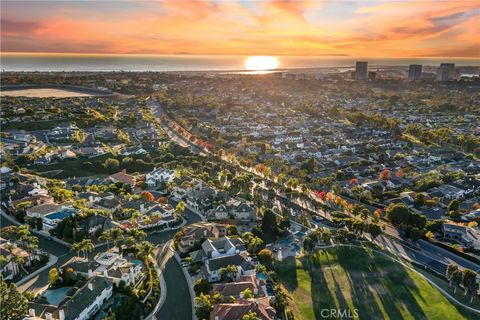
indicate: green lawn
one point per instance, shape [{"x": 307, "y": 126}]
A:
[{"x": 377, "y": 287}]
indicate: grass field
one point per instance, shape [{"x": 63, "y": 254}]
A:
[{"x": 348, "y": 279}]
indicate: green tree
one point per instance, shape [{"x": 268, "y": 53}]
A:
[
  {"x": 453, "y": 205},
  {"x": 231, "y": 230},
  {"x": 266, "y": 258},
  {"x": 229, "y": 271},
  {"x": 247, "y": 294},
  {"x": 398, "y": 214},
  {"x": 268, "y": 224},
  {"x": 415, "y": 234},
  {"x": 203, "y": 306},
  {"x": 469, "y": 283},
  {"x": 13, "y": 305},
  {"x": 201, "y": 286},
  {"x": 111, "y": 165},
  {"x": 180, "y": 208},
  {"x": 374, "y": 229},
  {"x": 53, "y": 277},
  {"x": 250, "y": 316}
]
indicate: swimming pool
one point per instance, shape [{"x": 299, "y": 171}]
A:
[
  {"x": 56, "y": 296},
  {"x": 262, "y": 276},
  {"x": 270, "y": 291},
  {"x": 137, "y": 262}
]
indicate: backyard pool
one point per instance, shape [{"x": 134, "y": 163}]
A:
[
  {"x": 55, "y": 296},
  {"x": 270, "y": 291},
  {"x": 262, "y": 276}
]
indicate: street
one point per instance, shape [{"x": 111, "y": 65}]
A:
[{"x": 177, "y": 303}]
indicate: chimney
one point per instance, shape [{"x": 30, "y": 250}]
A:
[
  {"x": 48, "y": 315},
  {"x": 61, "y": 315},
  {"x": 90, "y": 286},
  {"x": 124, "y": 170},
  {"x": 31, "y": 312},
  {"x": 90, "y": 273}
]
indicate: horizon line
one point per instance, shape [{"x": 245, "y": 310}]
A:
[{"x": 216, "y": 54}]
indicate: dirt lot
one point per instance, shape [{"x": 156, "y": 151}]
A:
[{"x": 44, "y": 93}]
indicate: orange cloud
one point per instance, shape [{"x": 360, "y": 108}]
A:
[{"x": 382, "y": 29}]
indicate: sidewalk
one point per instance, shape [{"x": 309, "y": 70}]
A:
[
  {"x": 51, "y": 261},
  {"x": 163, "y": 292}
]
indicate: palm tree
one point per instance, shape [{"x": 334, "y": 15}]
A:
[
  {"x": 106, "y": 237},
  {"x": 117, "y": 235},
  {"x": 77, "y": 248},
  {"x": 138, "y": 235},
  {"x": 18, "y": 261},
  {"x": 229, "y": 271},
  {"x": 87, "y": 246}
]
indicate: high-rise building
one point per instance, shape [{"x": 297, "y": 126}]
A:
[
  {"x": 372, "y": 75},
  {"x": 414, "y": 72},
  {"x": 446, "y": 72},
  {"x": 361, "y": 70}
]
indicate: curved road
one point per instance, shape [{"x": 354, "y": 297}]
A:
[{"x": 177, "y": 304}]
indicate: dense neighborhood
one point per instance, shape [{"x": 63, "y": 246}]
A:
[{"x": 223, "y": 196}]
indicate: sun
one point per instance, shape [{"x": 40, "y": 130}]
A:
[{"x": 261, "y": 63}]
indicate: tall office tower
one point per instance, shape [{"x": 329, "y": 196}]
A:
[
  {"x": 361, "y": 70},
  {"x": 446, "y": 72},
  {"x": 414, "y": 72}
]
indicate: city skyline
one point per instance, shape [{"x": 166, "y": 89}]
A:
[{"x": 320, "y": 28}]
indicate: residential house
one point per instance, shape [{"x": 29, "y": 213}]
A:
[
  {"x": 119, "y": 268},
  {"x": 237, "y": 310},
  {"x": 107, "y": 202},
  {"x": 133, "y": 151},
  {"x": 197, "y": 232},
  {"x": 449, "y": 192},
  {"x": 235, "y": 289},
  {"x": 8, "y": 250},
  {"x": 67, "y": 154},
  {"x": 94, "y": 225},
  {"x": 158, "y": 176},
  {"x": 234, "y": 208},
  {"x": 89, "y": 197},
  {"x": 52, "y": 219},
  {"x": 35, "y": 200},
  {"x": 212, "y": 268},
  {"x": 122, "y": 177},
  {"x": 462, "y": 234},
  {"x": 218, "y": 248},
  {"x": 82, "y": 305},
  {"x": 41, "y": 210}
]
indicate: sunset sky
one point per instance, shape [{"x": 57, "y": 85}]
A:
[{"x": 353, "y": 28}]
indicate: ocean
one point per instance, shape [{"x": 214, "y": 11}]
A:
[{"x": 133, "y": 62}]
